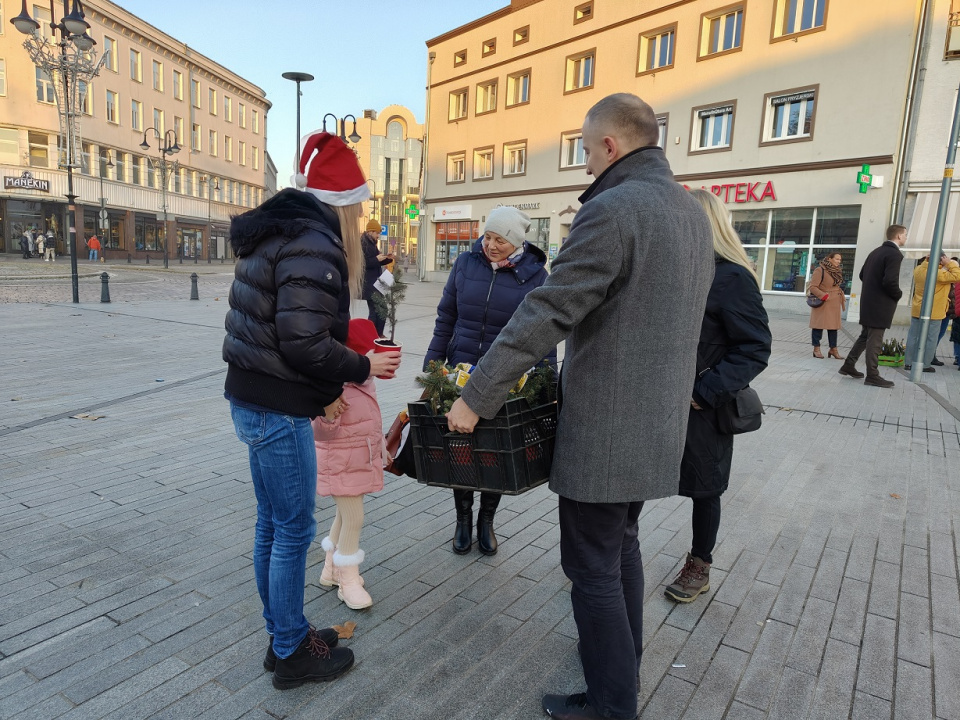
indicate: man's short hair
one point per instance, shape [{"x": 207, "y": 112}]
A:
[
  {"x": 895, "y": 230},
  {"x": 627, "y": 117}
]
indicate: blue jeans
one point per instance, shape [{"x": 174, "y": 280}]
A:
[
  {"x": 283, "y": 465},
  {"x": 600, "y": 553},
  {"x": 93, "y": 254},
  {"x": 929, "y": 343}
]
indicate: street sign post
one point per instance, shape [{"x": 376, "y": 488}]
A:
[{"x": 383, "y": 230}]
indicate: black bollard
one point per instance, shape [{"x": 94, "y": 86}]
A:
[
  {"x": 221, "y": 261},
  {"x": 209, "y": 259},
  {"x": 129, "y": 259},
  {"x": 104, "y": 287},
  {"x": 148, "y": 258},
  {"x": 196, "y": 255},
  {"x": 194, "y": 294}
]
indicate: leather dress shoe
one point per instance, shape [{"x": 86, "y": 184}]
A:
[
  {"x": 569, "y": 707},
  {"x": 936, "y": 362},
  {"x": 330, "y": 636}
]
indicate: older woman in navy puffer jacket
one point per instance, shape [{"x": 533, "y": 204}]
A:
[{"x": 484, "y": 289}]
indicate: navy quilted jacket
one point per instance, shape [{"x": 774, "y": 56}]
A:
[{"x": 478, "y": 302}]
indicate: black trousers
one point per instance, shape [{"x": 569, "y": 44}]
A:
[
  {"x": 600, "y": 553},
  {"x": 378, "y": 321},
  {"x": 706, "y": 524},
  {"x": 871, "y": 339}
]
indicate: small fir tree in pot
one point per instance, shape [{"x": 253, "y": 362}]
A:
[{"x": 386, "y": 304}]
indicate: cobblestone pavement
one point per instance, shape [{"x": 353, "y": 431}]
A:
[{"x": 126, "y": 587}]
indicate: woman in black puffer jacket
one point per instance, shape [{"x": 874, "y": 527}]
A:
[{"x": 299, "y": 261}]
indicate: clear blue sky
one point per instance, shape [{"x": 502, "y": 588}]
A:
[{"x": 364, "y": 54}]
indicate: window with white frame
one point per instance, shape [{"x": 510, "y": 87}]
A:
[
  {"x": 656, "y": 49},
  {"x": 228, "y": 108},
  {"x": 483, "y": 163},
  {"x": 662, "y": 131},
  {"x": 458, "y": 104},
  {"x": 195, "y": 93},
  {"x": 721, "y": 31},
  {"x": 85, "y": 92},
  {"x": 242, "y": 114},
  {"x": 39, "y": 149},
  {"x": 158, "y": 76},
  {"x": 713, "y": 127},
  {"x": 9, "y": 146},
  {"x": 228, "y": 148},
  {"x": 110, "y": 53},
  {"x": 136, "y": 69},
  {"x": 136, "y": 170},
  {"x": 177, "y": 85},
  {"x": 3, "y": 75},
  {"x": 178, "y": 128},
  {"x": 580, "y": 71},
  {"x": 44, "y": 87},
  {"x": 113, "y": 104},
  {"x": 456, "y": 167},
  {"x": 255, "y": 152},
  {"x": 195, "y": 137},
  {"x": 515, "y": 158},
  {"x": 212, "y": 100},
  {"x": 797, "y": 16},
  {"x": 571, "y": 150},
  {"x": 212, "y": 143},
  {"x": 789, "y": 116},
  {"x": 158, "y": 121},
  {"x": 486, "y": 97},
  {"x": 242, "y": 151},
  {"x": 136, "y": 115},
  {"x": 255, "y": 119},
  {"x": 518, "y": 88}
]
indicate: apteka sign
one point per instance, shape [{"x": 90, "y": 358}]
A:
[
  {"x": 26, "y": 181},
  {"x": 743, "y": 192}
]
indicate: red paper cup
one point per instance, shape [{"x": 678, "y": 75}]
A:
[{"x": 383, "y": 345}]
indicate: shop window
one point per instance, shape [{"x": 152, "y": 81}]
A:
[
  {"x": 483, "y": 163},
  {"x": 489, "y": 47},
  {"x": 656, "y": 49},
  {"x": 792, "y": 17},
  {"x": 458, "y": 104},
  {"x": 579, "y": 73},
  {"x": 521, "y": 35},
  {"x": 539, "y": 233},
  {"x": 721, "y": 31},
  {"x": 456, "y": 171},
  {"x": 789, "y": 115},
  {"x": 486, "y": 97},
  {"x": 515, "y": 158},
  {"x": 662, "y": 130},
  {"x": 518, "y": 88},
  {"x": 571, "y": 150},
  {"x": 713, "y": 127},
  {"x": 453, "y": 239}
]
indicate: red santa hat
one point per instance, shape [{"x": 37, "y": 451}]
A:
[
  {"x": 360, "y": 335},
  {"x": 329, "y": 170}
]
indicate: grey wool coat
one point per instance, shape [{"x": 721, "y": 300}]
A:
[{"x": 627, "y": 291}]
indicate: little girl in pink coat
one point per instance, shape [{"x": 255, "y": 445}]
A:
[{"x": 351, "y": 455}]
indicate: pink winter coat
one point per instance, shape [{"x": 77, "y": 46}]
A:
[{"x": 351, "y": 452}]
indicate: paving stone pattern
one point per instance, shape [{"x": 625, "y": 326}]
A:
[{"x": 126, "y": 586}]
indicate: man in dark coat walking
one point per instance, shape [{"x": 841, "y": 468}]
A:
[{"x": 880, "y": 275}]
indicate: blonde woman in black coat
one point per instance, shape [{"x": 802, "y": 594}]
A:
[{"x": 734, "y": 348}]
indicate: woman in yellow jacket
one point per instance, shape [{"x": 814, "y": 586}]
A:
[{"x": 947, "y": 273}]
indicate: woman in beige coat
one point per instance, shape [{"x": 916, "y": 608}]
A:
[{"x": 826, "y": 283}]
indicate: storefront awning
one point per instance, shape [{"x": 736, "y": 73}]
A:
[{"x": 920, "y": 217}]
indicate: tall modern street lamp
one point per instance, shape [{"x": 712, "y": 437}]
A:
[
  {"x": 103, "y": 202},
  {"x": 68, "y": 61},
  {"x": 298, "y": 77},
  {"x": 353, "y": 137},
  {"x": 212, "y": 184},
  {"x": 168, "y": 146}
]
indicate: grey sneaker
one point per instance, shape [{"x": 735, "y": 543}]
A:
[{"x": 694, "y": 578}]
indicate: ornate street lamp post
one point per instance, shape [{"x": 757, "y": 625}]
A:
[
  {"x": 212, "y": 184},
  {"x": 67, "y": 62},
  {"x": 168, "y": 146},
  {"x": 298, "y": 77},
  {"x": 103, "y": 224},
  {"x": 353, "y": 137}
]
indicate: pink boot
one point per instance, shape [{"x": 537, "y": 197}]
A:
[
  {"x": 351, "y": 584},
  {"x": 328, "y": 577}
]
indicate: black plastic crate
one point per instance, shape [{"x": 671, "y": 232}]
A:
[{"x": 509, "y": 454}]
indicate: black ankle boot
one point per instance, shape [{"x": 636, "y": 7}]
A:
[
  {"x": 312, "y": 661},
  {"x": 486, "y": 540},
  {"x": 463, "y": 534}
]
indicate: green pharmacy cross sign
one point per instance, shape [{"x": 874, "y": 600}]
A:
[
  {"x": 864, "y": 178},
  {"x": 413, "y": 212}
]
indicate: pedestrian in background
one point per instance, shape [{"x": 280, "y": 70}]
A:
[
  {"x": 879, "y": 294},
  {"x": 41, "y": 242},
  {"x": 51, "y": 247},
  {"x": 299, "y": 263},
  {"x": 93, "y": 244},
  {"x": 826, "y": 283},
  {"x": 955, "y": 328},
  {"x": 948, "y": 273},
  {"x": 351, "y": 455},
  {"x": 483, "y": 291},
  {"x": 373, "y": 267},
  {"x": 627, "y": 292},
  {"x": 734, "y": 349}
]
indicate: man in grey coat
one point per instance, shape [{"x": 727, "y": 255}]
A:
[{"x": 627, "y": 292}]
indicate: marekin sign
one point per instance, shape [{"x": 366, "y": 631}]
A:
[{"x": 26, "y": 181}]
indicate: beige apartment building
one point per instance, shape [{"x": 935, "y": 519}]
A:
[
  {"x": 391, "y": 155},
  {"x": 774, "y": 105},
  {"x": 149, "y": 80}
]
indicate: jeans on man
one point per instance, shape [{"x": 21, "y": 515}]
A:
[
  {"x": 871, "y": 340},
  {"x": 283, "y": 465},
  {"x": 929, "y": 342},
  {"x": 93, "y": 254},
  {"x": 600, "y": 554}
]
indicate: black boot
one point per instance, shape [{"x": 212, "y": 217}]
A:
[
  {"x": 486, "y": 540},
  {"x": 463, "y": 535},
  {"x": 312, "y": 661}
]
